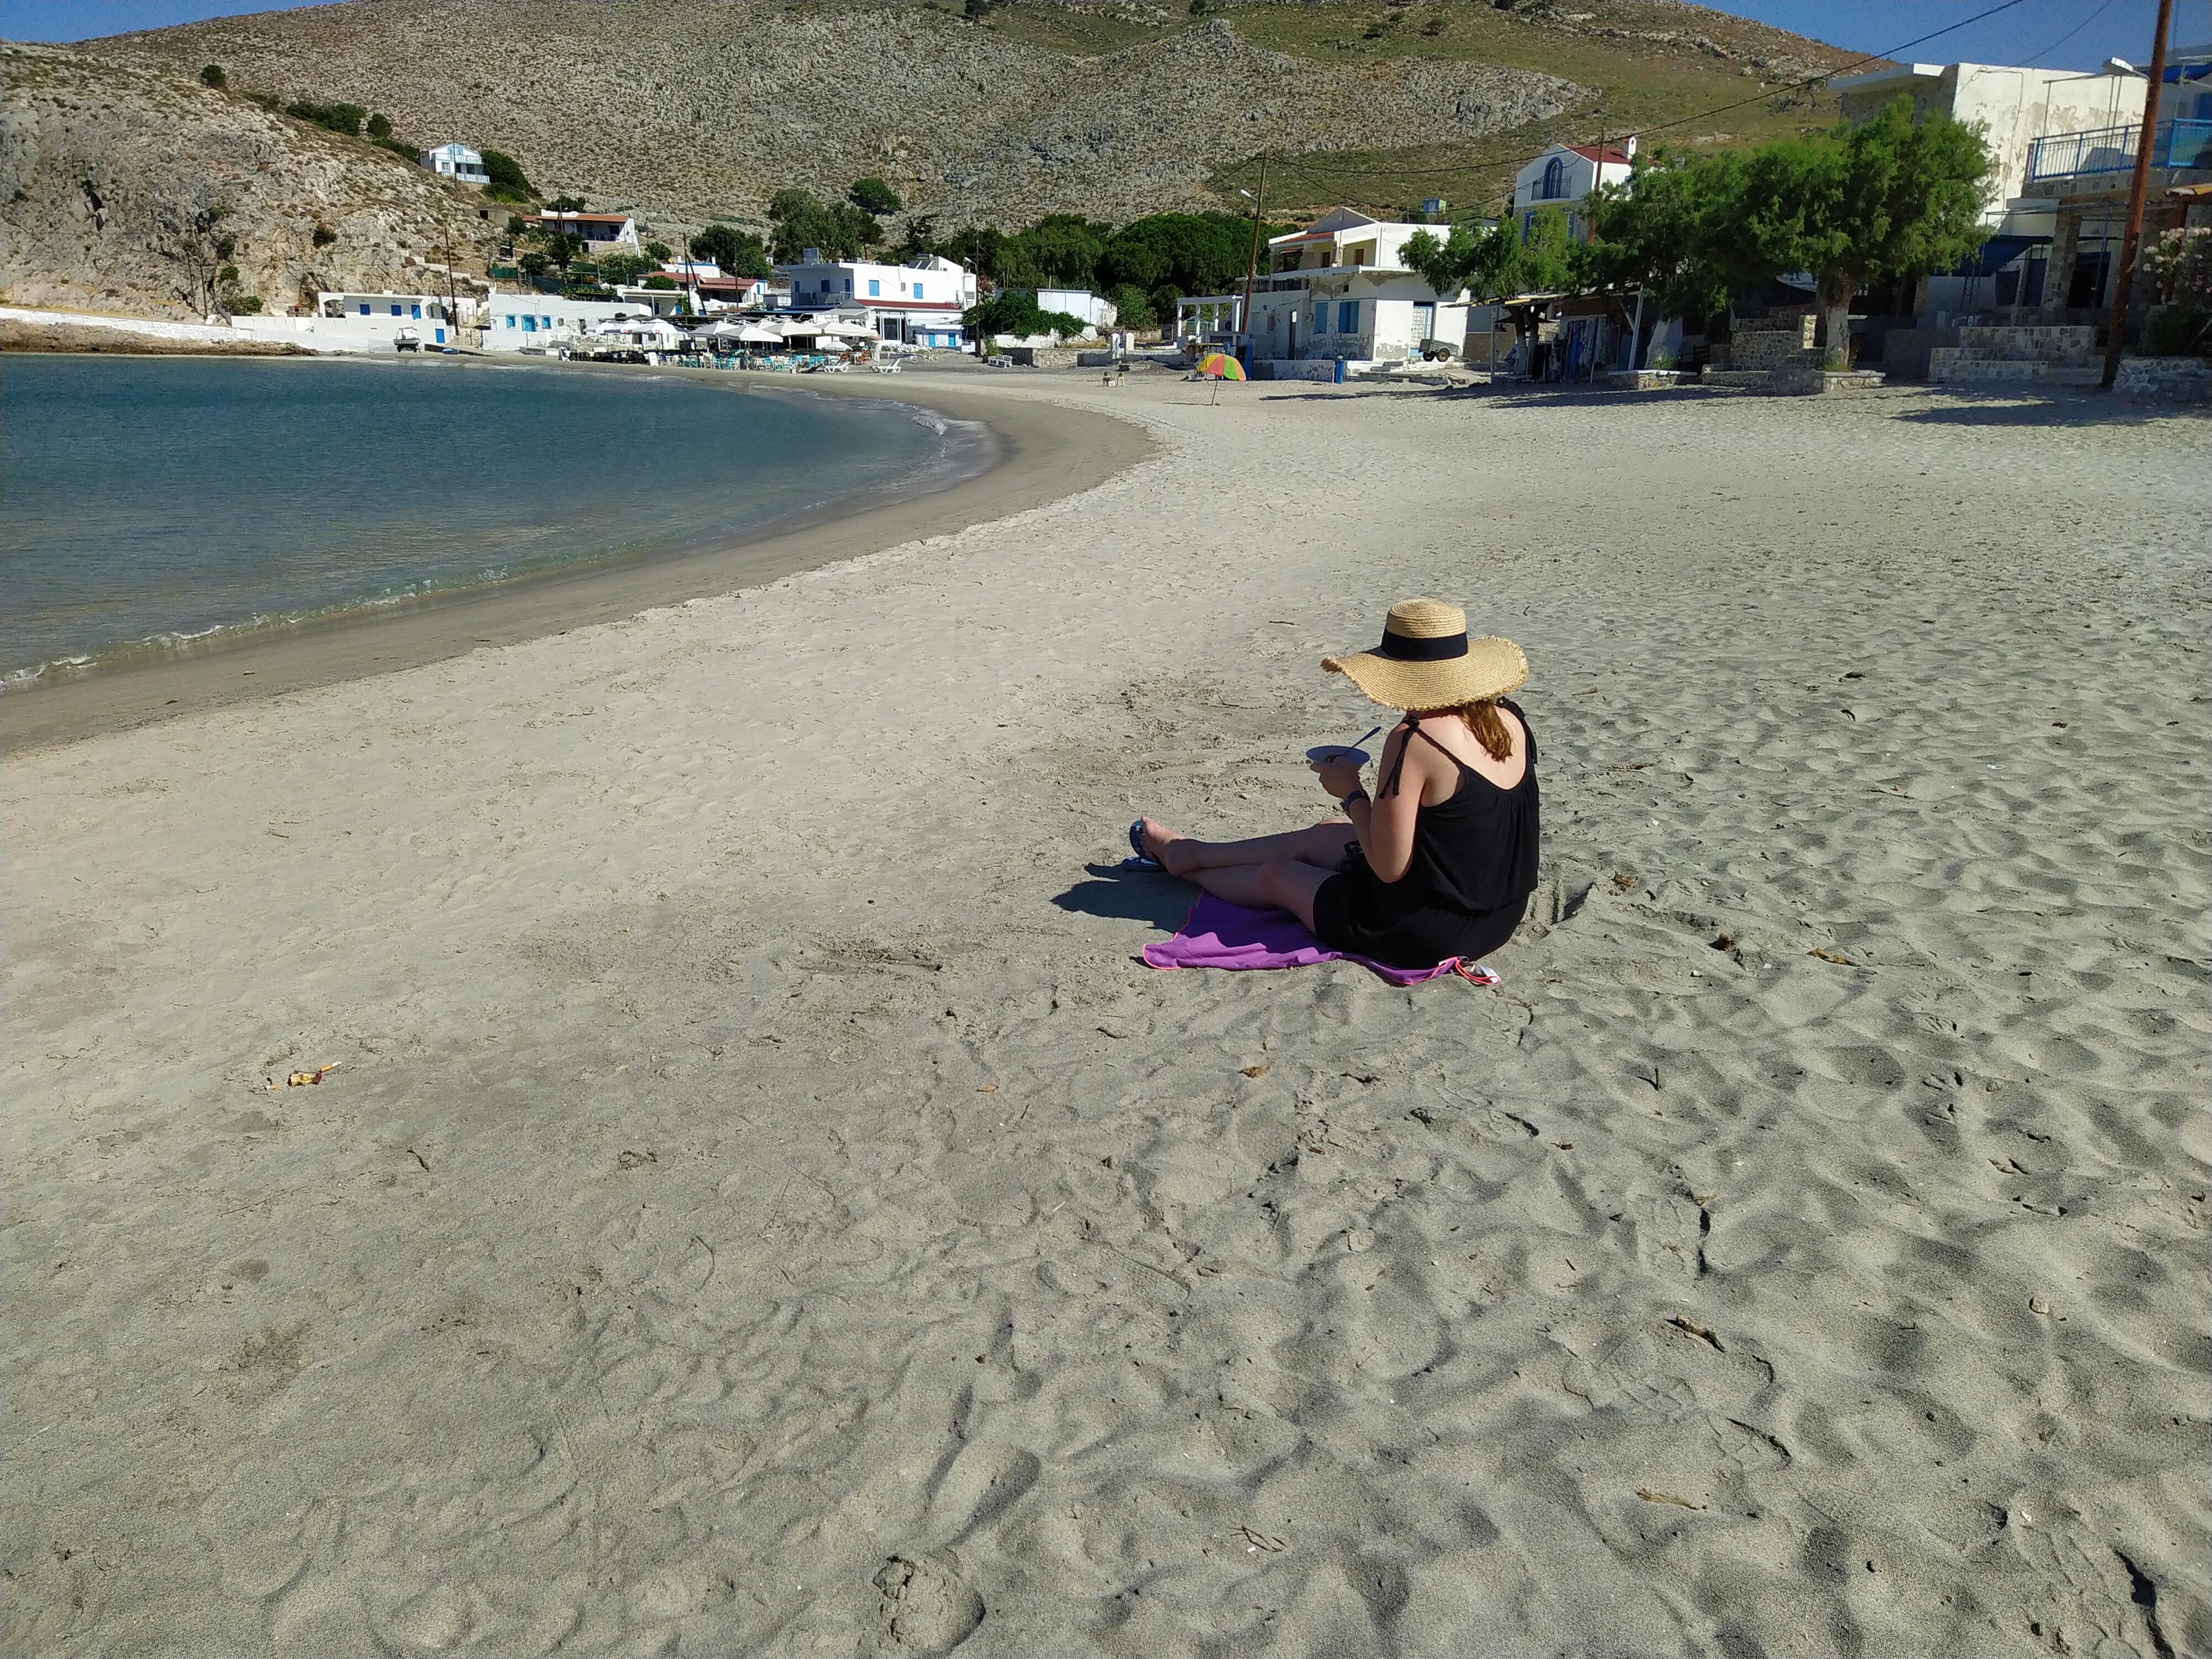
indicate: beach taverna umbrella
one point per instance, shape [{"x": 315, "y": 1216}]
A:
[
  {"x": 755, "y": 334},
  {"x": 1219, "y": 366},
  {"x": 843, "y": 330}
]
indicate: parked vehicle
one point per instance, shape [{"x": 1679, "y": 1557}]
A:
[{"x": 407, "y": 340}]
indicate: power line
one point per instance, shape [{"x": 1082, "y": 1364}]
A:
[
  {"x": 1458, "y": 169},
  {"x": 2094, "y": 13}
]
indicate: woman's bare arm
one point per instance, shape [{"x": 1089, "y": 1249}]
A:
[{"x": 1386, "y": 826}]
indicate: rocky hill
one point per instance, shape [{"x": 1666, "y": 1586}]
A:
[
  {"x": 103, "y": 165},
  {"x": 691, "y": 110}
]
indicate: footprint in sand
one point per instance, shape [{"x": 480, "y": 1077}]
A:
[{"x": 927, "y": 1608}]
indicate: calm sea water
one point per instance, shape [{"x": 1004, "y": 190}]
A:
[{"x": 148, "y": 503}]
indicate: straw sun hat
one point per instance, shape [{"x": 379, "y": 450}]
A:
[{"x": 1427, "y": 661}]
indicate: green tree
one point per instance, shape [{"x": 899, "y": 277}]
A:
[
  {"x": 658, "y": 251},
  {"x": 564, "y": 248},
  {"x": 1133, "y": 306},
  {"x": 1888, "y": 199},
  {"x": 920, "y": 242},
  {"x": 1015, "y": 312},
  {"x": 873, "y": 195},
  {"x": 736, "y": 252},
  {"x": 565, "y": 204},
  {"x": 212, "y": 75},
  {"x": 337, "y": 118},
  {"x": 1673, "y": 230},
  {"x": 620, "y": 267},
  {"x": 1492, "y": 262},
  {"x": 802, "y": 221},
  {"x": 1062, "y": 250},
  {"x": 1192, "y": 253},
  {"x": 379, "y": 127},
  {"x": 533, "y": 264},
  {"x": 978, "y": 248},
  {"x": 505, "y": 172}
]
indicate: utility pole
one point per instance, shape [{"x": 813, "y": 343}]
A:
[
  {"x": 2124, "y": 279},
  {"x": 1252, "y": 264}
]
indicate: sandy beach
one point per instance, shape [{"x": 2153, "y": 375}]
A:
[{"x": 764, "y": 1206}]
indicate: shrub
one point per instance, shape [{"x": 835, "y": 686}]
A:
[
  {"x": 2177, "y": 331},
  {"x": 339, "y": 118},
  {"x": 379, "y": 127},
  {"x": 506, "y": 175},
  {"x": 243, "y": 305},
  {"x": 658, "y": 251},
  {"x": 873, "y": 195},
  {"x": 324, "y": 236},
  {"x": 212, "y": 75},
  {"x": 657, "y": 280},
  {"x": 399, "y": 147}
]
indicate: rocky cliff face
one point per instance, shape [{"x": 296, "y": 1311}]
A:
[
  {"x": 694, "y": 109},
  {"x": 100, "y": 161}
]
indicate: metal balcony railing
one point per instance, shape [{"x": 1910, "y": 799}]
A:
[{"x": 2182, "y": 144}]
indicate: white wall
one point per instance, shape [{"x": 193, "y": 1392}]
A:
[{"x": 557, "y": 321}]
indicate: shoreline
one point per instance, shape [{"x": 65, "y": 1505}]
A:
[{"x": 1056, "y": 452}]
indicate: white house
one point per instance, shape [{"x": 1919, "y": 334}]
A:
[
  {"x": 919, "y": 304},
  {"x": 1098, "y": 313},
  {"x": 377, "y": 319},
  {"x": 459, "y": 162},
  {"x": 546, "y": 322},
  {"x": 599, "y": 230},
  {"x": 1563, "y": 175},
  {"x": 1342, "y": 289},
  {"x": 2047, "y": 131}
]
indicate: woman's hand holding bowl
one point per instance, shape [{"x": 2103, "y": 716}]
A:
[{"x": 1338, "y": 767}]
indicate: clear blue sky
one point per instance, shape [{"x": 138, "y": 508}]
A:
[{"x": 2048, "y": 33}]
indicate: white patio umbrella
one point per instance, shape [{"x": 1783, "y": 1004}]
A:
[
  {"x": 845, "y": 330},
  {"x": 755, "y": 334}
]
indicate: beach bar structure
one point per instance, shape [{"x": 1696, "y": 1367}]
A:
[
  {"x": 1209, "y": 319},
  {"x": 918, "y": 304}
]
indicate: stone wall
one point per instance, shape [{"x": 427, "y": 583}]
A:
[
  {"x": 2176, "y": 379},
  {"x": 1770, "y": 342}
]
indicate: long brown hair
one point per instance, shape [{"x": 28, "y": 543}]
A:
[{"x": 1490, "y": 731}]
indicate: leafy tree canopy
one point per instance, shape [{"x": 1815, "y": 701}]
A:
[
  {"x": 802, "y": 221},
  {"x": 1192, "y": 253},
  {"x": 506, "y": 172},
  {"x": 379, "y": 127},
  {"x": 1133, "y": 306},
  {"x": 873, "y": 195},
  {"x": 1676, "y": 230},
  {"x": 1492, "y": 261},
  {"x": 565, "y": 204},
  {"x": 737, "y": 252},
  {"x": 339, "y": 118},
  {"x": 212, "y": 75},
  {"x": 1887, "y": 199},
  {"x": 1015, "y": 312}
]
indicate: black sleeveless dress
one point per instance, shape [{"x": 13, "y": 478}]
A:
[{"x": 1473, "y": 869}]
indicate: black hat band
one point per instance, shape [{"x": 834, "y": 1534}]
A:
[{"x": 1399, "y": 648}]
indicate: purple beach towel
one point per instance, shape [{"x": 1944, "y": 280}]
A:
[{"x": 1218, "y": 935}]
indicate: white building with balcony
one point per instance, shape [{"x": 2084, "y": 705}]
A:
[
  {"x": 917, "y": 305},
  {"x": 603, "y": 231},
  {"x": 1341, "y": 289},
  {"x": 1563, "y": 175},
  {"x": 458, "y": 162}
]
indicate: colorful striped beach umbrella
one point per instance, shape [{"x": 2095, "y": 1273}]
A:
[{"x": 1221, "y": 366}]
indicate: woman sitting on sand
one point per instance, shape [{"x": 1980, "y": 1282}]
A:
[{"x": 1441, "y": 862}]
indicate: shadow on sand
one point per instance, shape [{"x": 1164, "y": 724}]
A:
[{"x": 1130, "y": 896}]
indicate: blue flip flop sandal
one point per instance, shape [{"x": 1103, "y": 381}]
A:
[{"x": 1139, "y": 859}]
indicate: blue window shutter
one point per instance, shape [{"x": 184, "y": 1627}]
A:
[
  {"x": 414, "y": 311},
  {"x": 364, "y": 308},
  {"x": 874, "y": 287}
]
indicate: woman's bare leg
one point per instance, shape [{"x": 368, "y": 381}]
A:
[
  {"x": 1278, "y": 884},
  {"x": 1322, "y": 847}
]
